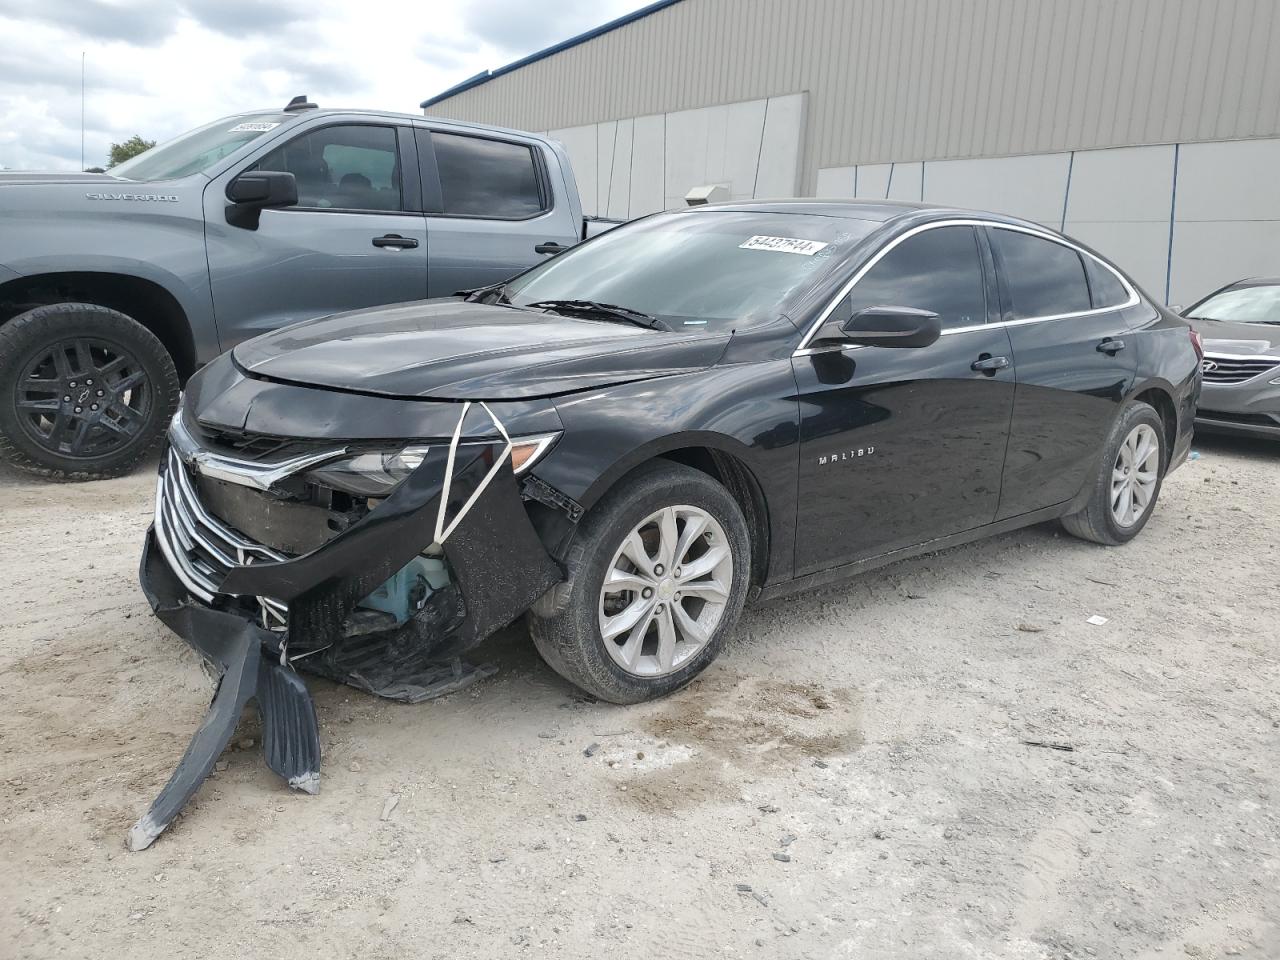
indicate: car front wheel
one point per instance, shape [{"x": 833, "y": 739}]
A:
[{"x": 657, "y": 576}]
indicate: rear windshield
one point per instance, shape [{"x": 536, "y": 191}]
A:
[
  {"x": 705, "y": 269},
  {"x": 198, "y": 149},
  {"x": 1242, "y": 305}
]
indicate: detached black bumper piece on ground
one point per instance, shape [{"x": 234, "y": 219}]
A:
[{"x": 499, "y": 568}]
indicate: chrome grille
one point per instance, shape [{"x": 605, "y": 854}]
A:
[
  {"x": 200, "y": 548},
  {"x": 1221, "y": 369}
]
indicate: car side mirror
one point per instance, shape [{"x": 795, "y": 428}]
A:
[
  {"x": 256, "y": 190},
  {"x": 888, "y": 326}
]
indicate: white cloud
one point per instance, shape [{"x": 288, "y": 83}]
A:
[{"x": 159, "y": 67}]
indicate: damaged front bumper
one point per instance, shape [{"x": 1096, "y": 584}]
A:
[{"x": 198, "y": 573}]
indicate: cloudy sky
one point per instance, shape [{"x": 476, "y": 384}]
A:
[{"x": 159, "y": 67}]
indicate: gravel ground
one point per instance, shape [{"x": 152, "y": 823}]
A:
[{"x": 851, "y": 779}]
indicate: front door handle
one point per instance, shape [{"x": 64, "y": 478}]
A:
[
  {"x": 989, "y": 365},
  {"x": 1111, "y": 346},
  {"x": 550, "y": 246},
  {"x": 395, "y": 242}
]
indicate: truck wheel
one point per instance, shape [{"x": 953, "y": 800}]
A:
[
  {"x": 1127, "y": 479},
  {"x": 85, "y": 392},
  {"x": 657, "y": 576}
]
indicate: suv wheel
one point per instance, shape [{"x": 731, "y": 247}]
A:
[
  {"x": 85, "y": 391},
  {"x": 657, "y": 576},
  {"x": 1127, "y": 481}
]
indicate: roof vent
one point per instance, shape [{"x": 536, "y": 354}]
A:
[
  {"x": 300, "y": 103},
  {"x": 708, "y": 193}
]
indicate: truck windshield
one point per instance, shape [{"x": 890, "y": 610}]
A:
[
  {"x": 198, "y": 149},
  {"x": 714, "y": 269}
]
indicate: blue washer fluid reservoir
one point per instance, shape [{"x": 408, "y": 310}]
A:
[{"x": 408, "y": 589}]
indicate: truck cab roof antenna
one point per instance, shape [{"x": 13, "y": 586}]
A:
[{"x": 300, "y": 102}]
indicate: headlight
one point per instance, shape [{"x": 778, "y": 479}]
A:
[{"x": 376, "y": 473}]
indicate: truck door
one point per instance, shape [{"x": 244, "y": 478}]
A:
[
  {"x": 357, "y": 237},
  {"x": 492, "y": 210}
]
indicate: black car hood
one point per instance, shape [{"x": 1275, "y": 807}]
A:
[
  {"x": 1238, "y": 339},
  {"x": 452, "y": 350}
]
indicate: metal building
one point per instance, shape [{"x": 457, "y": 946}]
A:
[{"x": 1149, "y": 129}]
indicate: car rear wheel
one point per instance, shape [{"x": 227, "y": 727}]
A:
[
  {"x": 657, "y": 576},
  {"x": 1127, "y": 482},
  {"x": 85, "y": 391}
]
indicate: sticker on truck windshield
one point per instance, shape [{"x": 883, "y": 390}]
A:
[
  {"x": 257, "y": 126},
  {"x": 806, "y": 248}
]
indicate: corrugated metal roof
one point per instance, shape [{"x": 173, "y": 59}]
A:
[{"x": 485, "y": 76}]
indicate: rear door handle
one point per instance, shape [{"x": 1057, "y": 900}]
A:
[
  {"x": 550, "y": 247},
  {"x": 395, "y": 241},
  {"x": 988, "y": 364},
  {"x": 1111, "y": 346}
]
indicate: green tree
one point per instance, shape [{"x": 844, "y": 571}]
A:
[{"x": 120, "y": 152}]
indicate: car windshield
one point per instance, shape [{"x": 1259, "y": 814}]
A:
[
  {"x": 715, "y": 269},
  {"x": 1260, "y": 304},
  {"x": 198, "y": 149}
]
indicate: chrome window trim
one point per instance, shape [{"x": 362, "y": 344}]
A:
[{"x": 804, "y": 350}]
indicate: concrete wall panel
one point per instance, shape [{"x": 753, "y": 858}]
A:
[
  {"x": 619, "y": 192},
  {"x": 779, "y": 170},
  {"x": 606, "y": 140},
  {"x": 648, "y": 166},
  {"x": 872, "y": 181},
  {"x": 1130, "y": 184},
  {"x": 1234, "y": 180},
  {"x": 1032, "y": 187},
  {"x": 835, "y": 182},
  {"x": 582, "y": 146},
  {"x": 1208, "y": 254},
  {"x": 906, "y": 182}
]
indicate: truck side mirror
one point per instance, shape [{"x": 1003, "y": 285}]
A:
[{"x": 256, "y": 190}]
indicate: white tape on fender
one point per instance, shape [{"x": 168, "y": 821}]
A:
[
  {"x": 442, "y": 531},
  {"x": 806, "y": 248}
]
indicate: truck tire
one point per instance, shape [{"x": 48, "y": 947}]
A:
[
  {"x": 1126, "y": 482},
  {"x": 656, "y": 577},
  {"x": 85, "y": 391}
]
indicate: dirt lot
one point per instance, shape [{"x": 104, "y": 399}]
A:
[{"x": 850, "y": 780}]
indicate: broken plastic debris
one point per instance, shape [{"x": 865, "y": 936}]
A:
[{"x": 1096, "y": 620}]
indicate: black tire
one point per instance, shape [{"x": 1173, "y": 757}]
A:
[
  {"x": 565, "y": 624},
  {"x": 99, "y": 428},
  {"x": 1096, "y": 522}
]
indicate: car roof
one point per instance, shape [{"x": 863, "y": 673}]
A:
[{"x": 880, "y": 211}]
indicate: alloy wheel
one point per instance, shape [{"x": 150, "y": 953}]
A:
[
  {"x": 665, "y": 591},
  {"x": 1134, "y": 475},
  {"x": 83, "y": 398}
]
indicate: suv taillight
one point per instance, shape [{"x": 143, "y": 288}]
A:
[{"x": 1197, "y": 343}]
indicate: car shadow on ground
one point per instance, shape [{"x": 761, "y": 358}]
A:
[{"x": 1257, "y": 448}]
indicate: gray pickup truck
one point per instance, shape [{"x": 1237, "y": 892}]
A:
[{"x": 115, "y": 288}]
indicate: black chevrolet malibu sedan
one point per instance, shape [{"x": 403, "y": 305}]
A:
[{"x": 635, "y": 438}]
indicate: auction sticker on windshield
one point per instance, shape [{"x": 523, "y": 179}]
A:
[
  {"x": 259, "y": 126},
  {"x": 806, "y": 248}
]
